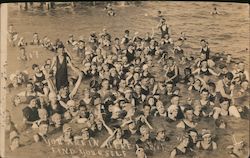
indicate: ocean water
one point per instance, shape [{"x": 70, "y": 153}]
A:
[{"x": 228, "y": 33}]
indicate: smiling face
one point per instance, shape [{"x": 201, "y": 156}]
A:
[
  {"x": 204, "y": 95},
  {"x": 189, "y": 115},
  {"x": 151, "y": 101},
  {"x": 194, "y": 136},
  {"x": 33, "y": 103},
  {"x": 161, "y": 135},
  {"x": 43, "y": 129},
  {"x": 85, "y": 134},
  {"x": 146, "y": 110},
  {"x": 160, "y": 107},
  {"x": 225, "y": 105},
  {"x": 207, "y": 138},
  {"x": 175, "y": 100}
]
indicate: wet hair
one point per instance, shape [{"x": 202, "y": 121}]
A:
[
  {"x": 211, "y": 84},
  {"x": 22, "y": 48},
  {"x": 229, "y": 76},
  {"x": 188, "y": 107},
  {"x": 222, "y": 99},
  {"x": 189, "y": 130},
  {"x": 60, "y": 45},
  {"x": 204, "y": 90},
  {"x": 34, "y": 66},
  {"x": 203, "y": 40},
  {"x": 126, "y": 31},
  {"x": 171, "y": 58},
  {"x": 174, "y": 95}
]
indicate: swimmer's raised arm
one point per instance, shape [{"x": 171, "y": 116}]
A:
[
  {"x": 110, "y": 131},
  {"x": 173, "y": 154},
  {"x": 78, "y": 82}
]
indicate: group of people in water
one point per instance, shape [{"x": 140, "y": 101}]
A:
[{"x": 129, "y": 83}]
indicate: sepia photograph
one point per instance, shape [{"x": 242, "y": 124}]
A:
[{"x": 125, "y": 79}]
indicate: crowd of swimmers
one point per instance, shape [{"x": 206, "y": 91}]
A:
[{"x": 123, "y": 94}]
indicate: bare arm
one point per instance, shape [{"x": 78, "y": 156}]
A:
[
  {"x": 173, "y": 153},
  {"x": 78, "y": 82},
  {"x": 213, "y": 73},
  {"x": 110, "y": 131},
  {"x": 175, "y": 73},
  {"x": 196, "y": 71}
]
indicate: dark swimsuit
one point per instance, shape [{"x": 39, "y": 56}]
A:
[
  {"x": 163, "y": 32},
  {"x": 61, "y": 72},
  {"x": 206, "y": 72},
  {"x": 207, "y": 52},
  {"x": 171, "y": 73}
]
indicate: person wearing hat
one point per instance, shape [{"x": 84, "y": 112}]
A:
[
  {"x": 119, "y": 141},
  {"x": 56, "y": 119},
  {"x": 14, "y": 140},
  {"x": 161, "y": 135},
  {"x": 36, "y": 40},
  {"x": 67, "y": 136},
  {"x": 225, "y": 109},
  {"x": 145, "y": 140},
  {"x": 41, "y": 136},
  {"x": 193, "y": 138},
  {"x": 182, "y": 148},
  {"x": 188, "y": 121},
  {"x": 206, "y": 143},
  {"x": 174, "y": 110},
  {"x": 131, "y": 132},
  {"x": 130, "y": 52},
  {"x": 85, "y": 135}
]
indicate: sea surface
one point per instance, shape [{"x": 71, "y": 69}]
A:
[{"x": 226, "y": 33}]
